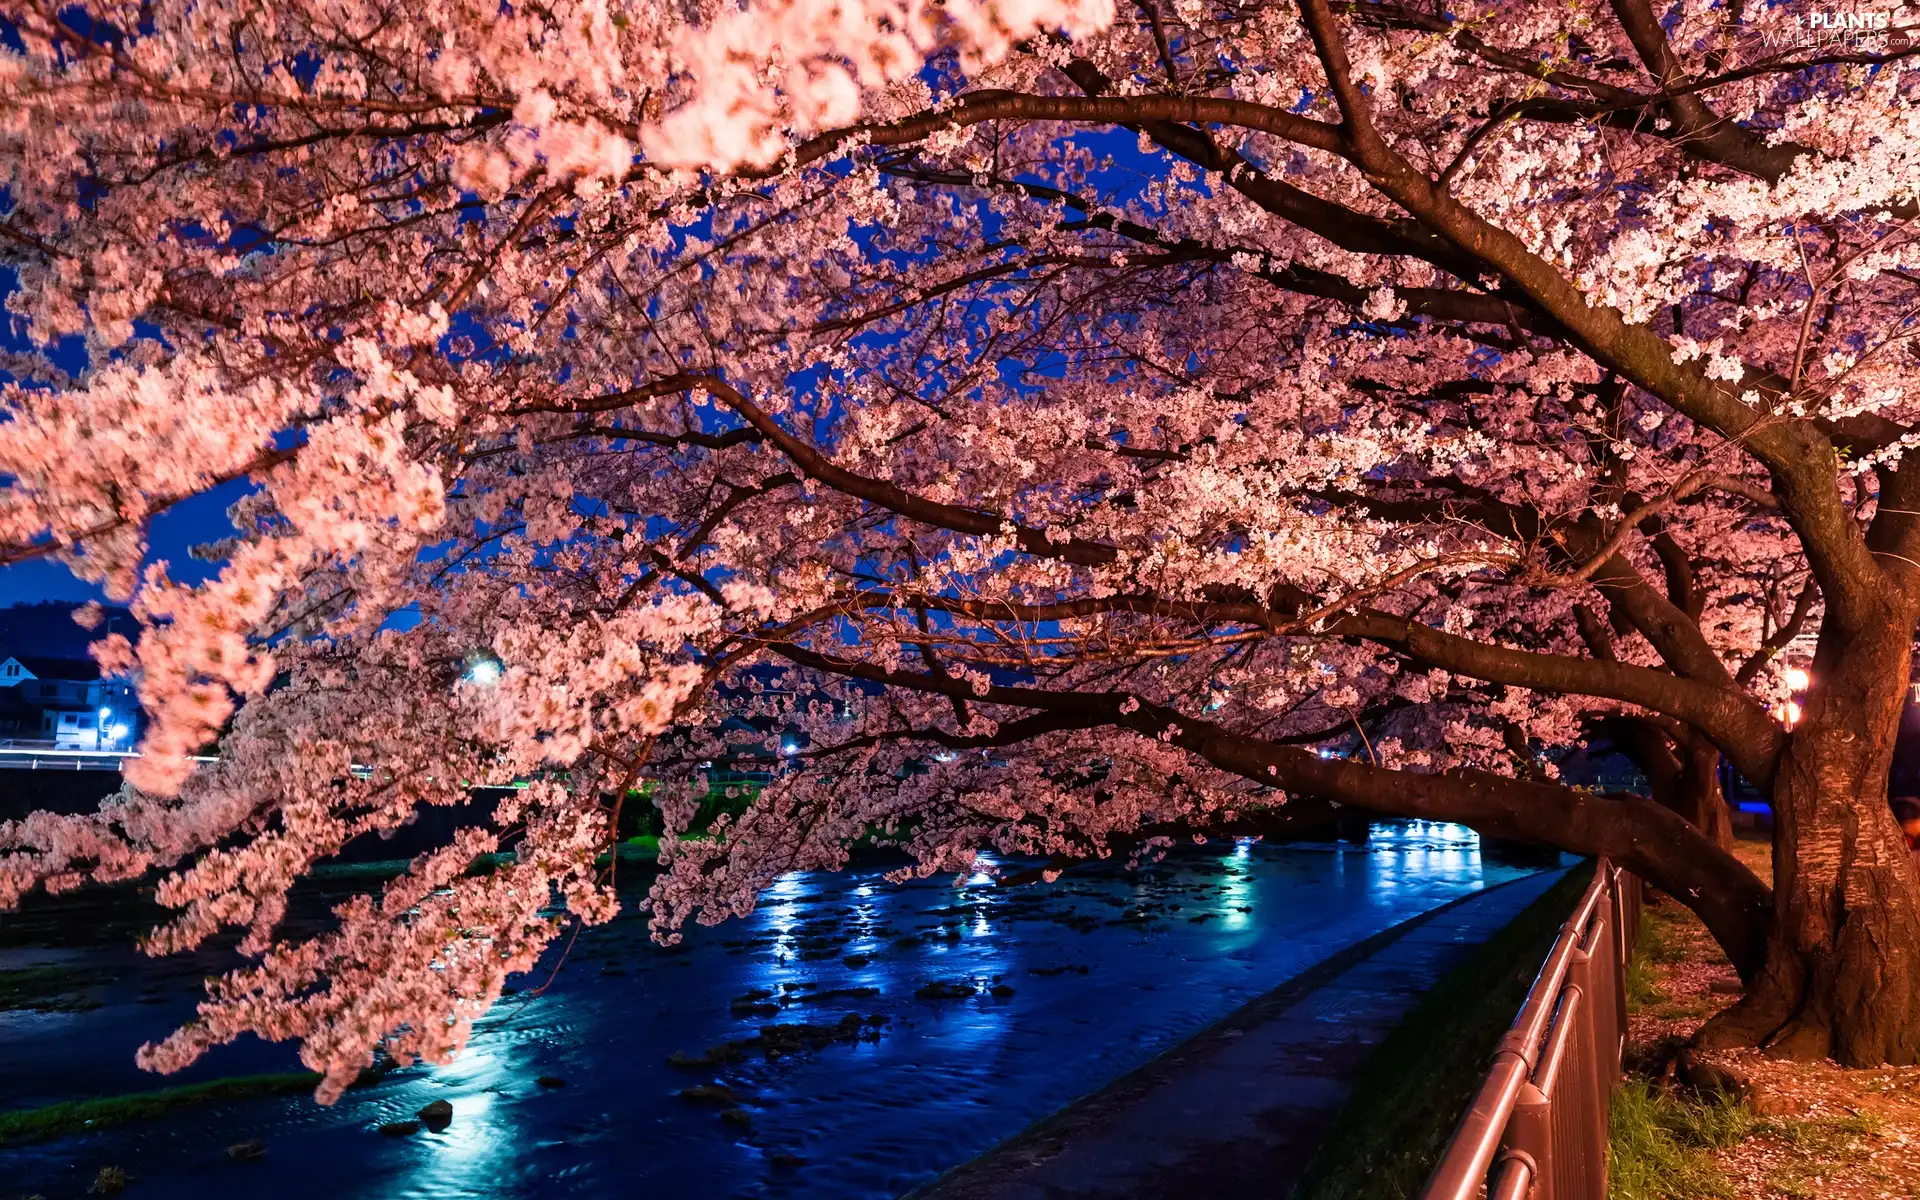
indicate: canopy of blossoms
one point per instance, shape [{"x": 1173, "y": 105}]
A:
[{"x": 1061, "y": 419}]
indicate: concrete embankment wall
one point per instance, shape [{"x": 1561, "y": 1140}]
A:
[
  {"x": 67, "y": 791},
  {"x": 53, "y": 790}
]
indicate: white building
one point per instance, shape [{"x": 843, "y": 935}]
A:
[{"x": 78, "y": 709}]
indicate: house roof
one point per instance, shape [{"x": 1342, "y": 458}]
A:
[{"x": 57, "y": 668}]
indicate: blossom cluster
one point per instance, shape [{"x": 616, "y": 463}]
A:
[{"x": 947, "y": 410}]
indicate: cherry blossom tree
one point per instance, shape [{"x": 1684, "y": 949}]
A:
[{"x": 1077, "y": 426}]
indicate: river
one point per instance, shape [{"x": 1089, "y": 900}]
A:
[{"x": 960, "y": 1011}]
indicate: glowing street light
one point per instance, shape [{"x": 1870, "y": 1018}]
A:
[{"x": 1798, "y": 679}]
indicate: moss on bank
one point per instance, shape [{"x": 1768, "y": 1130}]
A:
[
  {"x": 1410, "y": 1094},
  {"x": 52, "y": 987},
  {"x": 74, "y": 1116}
]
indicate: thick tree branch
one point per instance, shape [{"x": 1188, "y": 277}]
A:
[
  {"x": 1733, "y": 719},
  {"x": 1635, "y": 832},
  {"x": 1801, "y": 460}
]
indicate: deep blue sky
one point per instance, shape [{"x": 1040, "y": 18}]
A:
[{"x": 201, "y": 519}]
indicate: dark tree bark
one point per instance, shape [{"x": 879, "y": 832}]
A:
[
  {"x": 1700, "y": 799},
  {"x": 1647, "y": 838},
  {"x": 1683, "y": 771},
  {"x": 1842, "y": 974}
]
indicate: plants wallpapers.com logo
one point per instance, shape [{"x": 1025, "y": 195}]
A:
[
  {"x": 1858, "y": 30},
  {"x": 1849, "y": 21}
]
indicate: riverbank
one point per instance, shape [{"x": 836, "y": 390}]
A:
[
  {"x": 49, "y": 1121},
  {"x": 1240, "y": 1107},
  {"x": 1740, "y": 1125},
  {"x": 1409, "y": 1096}
]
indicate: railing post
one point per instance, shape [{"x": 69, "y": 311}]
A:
[
  {"x": 1623, "y": 942},
  {"x": 1586, "y": 1114},
  {"x": 1604, "y": 983},
  {"x": 1530, "y": 1139}
]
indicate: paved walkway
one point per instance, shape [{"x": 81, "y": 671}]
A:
[{"x": 1238, "y": 1108}]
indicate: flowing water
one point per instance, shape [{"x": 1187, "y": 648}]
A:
[{"x": 946, "y": 1016}]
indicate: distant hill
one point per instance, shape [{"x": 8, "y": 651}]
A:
[{"x": 48, "y": 630}]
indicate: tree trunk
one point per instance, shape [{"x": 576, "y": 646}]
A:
[
  {"x": 1683, "y": 771},
  {"x": 1842, "y": 971},
  {"x": 1700, "y": 800}
]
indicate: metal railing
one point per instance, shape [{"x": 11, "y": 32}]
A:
[
  {"x": 1537, "y": 1130},
  {"x": 52, "y": 758},
  {"x": 25, "y": 756}
]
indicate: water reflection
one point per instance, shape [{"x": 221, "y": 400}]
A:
[
  {"x": 912, "y": 1026},
  {"x": 780, "y": 904},
  {"x": 984, "y": 865},
  {"x": 1236, "y": 886}
]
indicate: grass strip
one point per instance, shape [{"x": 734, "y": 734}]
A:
[
  {"x": 52, "y": 987},
  {"x": 1660, "y": 1139},
  {"x": 1413, "y": 1089},
  {"x": 1659, "y": 1142},
  {"x": 23, "y": 1125}
]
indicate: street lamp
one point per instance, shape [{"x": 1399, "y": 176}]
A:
[{"x": 1797, "y": 680}]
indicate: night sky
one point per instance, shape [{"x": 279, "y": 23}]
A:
[
  {"x": 201, "y": 519},
  {"x": 1123, "y": 176}
]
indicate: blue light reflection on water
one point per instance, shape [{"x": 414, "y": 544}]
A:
[{"x": 1166, "y": 950}]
